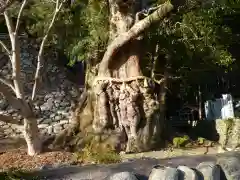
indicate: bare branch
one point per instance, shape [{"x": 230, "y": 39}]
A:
[
  {"x": 134, "y": 32},
  {"x": 7, "y": 83},
  {"x": 12, "y": 100},
  {"x": 15, "y": 58},
  {"x": 5, "y": 48},
  {"x": 41, "y": 51},
  {"x": 8, "y": 23},
  {"x": 19, "y": 16},
  {"x": 9, "y": 119}
]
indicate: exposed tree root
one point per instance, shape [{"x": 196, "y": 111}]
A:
[
  {"x": 129, "y": 108},
  {"x": 121, "y": 115}
]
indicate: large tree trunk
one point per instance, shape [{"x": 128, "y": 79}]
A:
[
  {"x": 121, "y": 110},
  {"x": 31, "y": 135}
]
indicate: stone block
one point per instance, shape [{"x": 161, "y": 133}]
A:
[
  {"x": 164, "y": 173},
  {"x": 42, "y": 126},
  {"x": 187, "y": 173},
  {"x": 229, "y": 132},
  {"x": 122, "y": 176},
  {"x": 209, "y": 170},
  {"x": 230, "y": 167}
]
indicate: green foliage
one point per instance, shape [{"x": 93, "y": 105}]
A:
[
  {"x": 180, "y": 141},
  {"x": 93, "y": 153},
  {"x": 201, "y": 140},
  {"x": 81, "y": 29},
  {"x": 90, "y": 43},
  {"x": 17, "y": 175},
  {"x": 36, "y": 16},
  {"x": 195, "y": 44}
]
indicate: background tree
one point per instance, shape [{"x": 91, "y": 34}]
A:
[{"x": 13, "y": 90}]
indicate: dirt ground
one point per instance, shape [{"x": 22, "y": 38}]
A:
[
  {"x": 172, "y": 153},
  {"x": 13, "y": 155}
]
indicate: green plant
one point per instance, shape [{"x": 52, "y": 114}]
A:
[
  {"x": 94, "y": 153},
  {"x": 13, "y": 174},
  {"x": 201, "y": 140},
  {"x": 180, "y": 141}
]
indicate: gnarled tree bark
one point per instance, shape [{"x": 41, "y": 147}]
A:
[{"x": 121, "y": 109}]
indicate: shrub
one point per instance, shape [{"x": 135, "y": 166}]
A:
[
  {"x": 181, "y": 141},
  {"x": 94, "y": 153}
]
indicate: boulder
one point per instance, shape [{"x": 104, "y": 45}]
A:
[
  {"x": 122, "y": 176},
  {"x": 187, "y": 173},
  {"x": 209, "y": 170},
  {"x": 228, "y": 130},
  {"x": 159, "y": 172},
  {"x": 230, "y": 167}
]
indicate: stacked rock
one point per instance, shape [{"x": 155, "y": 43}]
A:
[{"x": 55, "y": 100}]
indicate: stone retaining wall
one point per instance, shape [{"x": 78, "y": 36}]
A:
[
  {"x": 55, "y": 100},
  {"x": 229, "y": 132}
]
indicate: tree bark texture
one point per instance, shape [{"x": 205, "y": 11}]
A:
[
  {"x": 122, "y": 102},
  {"x": 17, "y": 100}
]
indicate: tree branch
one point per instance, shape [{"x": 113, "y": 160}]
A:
[
  {"x": 9, "y": 119},
  {"x": 5, "y": 48},
  {"x": 7, "y": 83},
  {"x": 41, "y": 50},
  {"x": 8, "y": 23},
  {"x": 137, "y": 29},
  {"x": 12, "y": 100},
  {"x": 15, "y": 58},
  {"x": 19, "y": 16}
]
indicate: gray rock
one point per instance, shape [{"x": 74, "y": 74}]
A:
[
  {"x": 10, "y": 111},
  {"x": 209, "y": 170},
  {"x": 47, "y": 121},
  {"x": 74, "y": 93},
  {"x": 230, "y": 167},
  {"x": 8, "y": 131},
  {"x": 57, "y": 128},
  {"x": 57, "y": 118},
  {"x": 50, "y": 129},
  {"x": 65, "y": 126},
  {"x": 163, "y": 173},
  {"x": 5, "y": 72},
  {"x": 187, "y": 173},
  {"x": 17, "y": 127},
  {"x": 48, "y": 105},
  {"x": 122, "y": 176},
  {"x": 63, "y": 112},
  {"x": 3, "y": 104},
  {"x": 65, "y": 104},
  {"x": 6, "y": 126},
  {"x": 64, "y": 122},
  {"x": 40, "y": 121},
  {"x": 48, "y": 96},
  {"x": 41, "y": 126}
]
